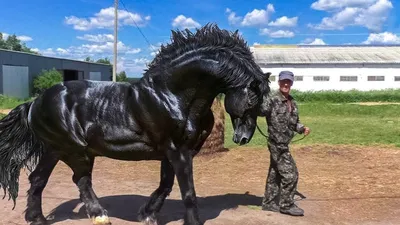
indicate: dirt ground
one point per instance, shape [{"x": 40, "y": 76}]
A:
[{"x": 343, "y": 185}]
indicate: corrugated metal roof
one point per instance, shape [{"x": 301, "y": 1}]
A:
[{"x": 292, "y": 54}]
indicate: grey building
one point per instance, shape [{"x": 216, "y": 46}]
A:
[{"x": 18, "y": 69}]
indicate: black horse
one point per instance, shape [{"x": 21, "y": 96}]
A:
[{"x": 166, "y": 116}]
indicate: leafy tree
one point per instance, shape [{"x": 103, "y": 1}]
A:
[
  {"x": 104, "y": 61},
  {"x": 46, "y": 79},
  {"x": 13, "y": 43},
  {"x": 121, "y": 77},
  {"x": 88, "y": 59}
]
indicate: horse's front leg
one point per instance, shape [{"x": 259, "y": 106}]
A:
[
  {"x": 182, "y": 162},
  {"x": 147, "y": 212}
]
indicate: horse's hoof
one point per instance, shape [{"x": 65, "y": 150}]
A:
[
  {"x": 150, "y": 221},
  {"x": 101, "y": 220},
  {"x": 39, "y": 221}
]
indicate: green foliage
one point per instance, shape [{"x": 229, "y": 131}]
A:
[
  {"x": 13, "y": 43},
  {"x": 121, "y": 77},
  {"x": 388, "y": 95},
  {"x": 46, "y": 79},
  {"x": 2, "y": 115},
  {"x": 333, "y": 123},
  {"x": 104, "y": 61},
  {"x": 7, "y": 102}
]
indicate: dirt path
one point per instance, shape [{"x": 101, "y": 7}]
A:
[
  {"x": 343, "y": 184},
  {"x": 5, "y": 111}
]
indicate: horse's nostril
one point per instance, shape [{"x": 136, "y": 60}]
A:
[{"x": 243, "y": 141}]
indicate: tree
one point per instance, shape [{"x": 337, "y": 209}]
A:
[
  {"x": 88, "y": 59},
  {"x": 46, "y": 79},
  {"x": 121, "y": 77},
  {"x": 13, "y": 43},
  {"x": 104, "y": 61}
]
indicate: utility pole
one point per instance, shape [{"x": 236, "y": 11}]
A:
[{"x": 115, "y": 39}]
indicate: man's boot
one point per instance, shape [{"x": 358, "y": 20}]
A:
[
  {"x": 292, "y": 210},
  {"x": 270, "y": 207}
]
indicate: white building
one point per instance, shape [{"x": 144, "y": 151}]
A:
[{"x": 332, "y": 67}]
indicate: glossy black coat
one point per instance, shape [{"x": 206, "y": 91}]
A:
[{"x": 166, "y": 116}]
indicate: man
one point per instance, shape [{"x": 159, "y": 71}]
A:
[{"x": 282, "y": 117}]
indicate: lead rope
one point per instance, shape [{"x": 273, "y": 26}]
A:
[{"x": 262, "y": 133}]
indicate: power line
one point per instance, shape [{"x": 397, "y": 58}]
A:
[{"x": 130, "y": 14}]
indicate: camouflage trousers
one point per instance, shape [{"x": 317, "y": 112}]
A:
[{"x": 281, "y": 184}]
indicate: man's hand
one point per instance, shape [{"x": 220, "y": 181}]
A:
[{"x": 306, "y": 131}]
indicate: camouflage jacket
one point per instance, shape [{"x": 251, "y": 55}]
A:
[{"x": 282, "y": 124}]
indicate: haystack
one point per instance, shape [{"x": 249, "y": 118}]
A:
[{"x": 215, "y": 141}]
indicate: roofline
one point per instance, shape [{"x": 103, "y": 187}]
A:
[{"x": 73, "y": 60}]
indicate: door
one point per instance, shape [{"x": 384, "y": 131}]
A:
[
  {"x": 16, "y": 81},
  {"x": 95, "y": 76}
]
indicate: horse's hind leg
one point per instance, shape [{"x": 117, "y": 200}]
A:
[
  {"x": 153, "y": 206},
  {"x": 82, "y": 165},
  {"x": 38, "y": 179}
]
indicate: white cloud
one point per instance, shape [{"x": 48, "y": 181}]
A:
[
  {"x": 382, "y": 38},
  {"x": 92, "y": 50},
  {"x": 258, "y": 16},
  {"x": 232, "y": 18},
  {"x": 22, "y": 38},
  {"x": 366, "y": 13},
  {"x": 276, "y": 34},
  {"x": 316, "y": 41},
  {"x": 328, "y": 5},
  {"x": 99, "y": 38},
  {"x": 284, "y": 21},
  {"x": 183, "y": 22},
  {"x": 104, "y": 19},
  {"x": 133, "y": 66}
]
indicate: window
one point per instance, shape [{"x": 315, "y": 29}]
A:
[
  {"x": 396, "y": 78},
  {"x": 321, "y": 78},
  {"x": 298, "y": 78},
  {"x": 376, "y": 78},
  {"x": 348, "y": 78}
]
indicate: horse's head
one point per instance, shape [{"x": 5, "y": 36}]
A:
[{"x": 243, "y": 106}]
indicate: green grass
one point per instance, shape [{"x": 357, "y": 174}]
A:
[
  {"x": 9, "y": 103},
  {"x": 338, "y": 124},
  {"x": 2, "y": 115}
]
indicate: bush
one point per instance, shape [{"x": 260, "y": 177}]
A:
[
  {"x": 388, "y": 95},
  {"x": 46, "y": 79}
]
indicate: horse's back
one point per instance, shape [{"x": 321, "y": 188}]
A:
[{"x": 64, "y": 112}]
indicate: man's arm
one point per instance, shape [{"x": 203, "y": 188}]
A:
[
  {"x": 266, "y": 106},
  {"x": 300, "y": 128}
]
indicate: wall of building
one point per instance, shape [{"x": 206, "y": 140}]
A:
[
  {"x": 37, "y": 63},
  {"x": 344, "y": 78}
]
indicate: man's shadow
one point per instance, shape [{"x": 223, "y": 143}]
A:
[{"x": 126, "y": 207}]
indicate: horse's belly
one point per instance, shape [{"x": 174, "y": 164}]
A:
[
  {"x": 124, "y": 144},
  {"x": 135, "y": 151}
]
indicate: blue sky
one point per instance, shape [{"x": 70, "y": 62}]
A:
[{"x": 79, "y": 28}]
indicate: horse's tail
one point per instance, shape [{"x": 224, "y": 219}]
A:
[{"x": 18, "y": 148}]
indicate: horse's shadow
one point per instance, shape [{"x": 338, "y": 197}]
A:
[{"x": 126, "y": 207}]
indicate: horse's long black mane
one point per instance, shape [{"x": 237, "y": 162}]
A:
[{"x": 208, "y": 42}]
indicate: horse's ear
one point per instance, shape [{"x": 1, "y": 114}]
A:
[{"x": 267, "y": 74}]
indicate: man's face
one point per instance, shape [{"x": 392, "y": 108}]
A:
[{"x": 285, "y": 85}]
